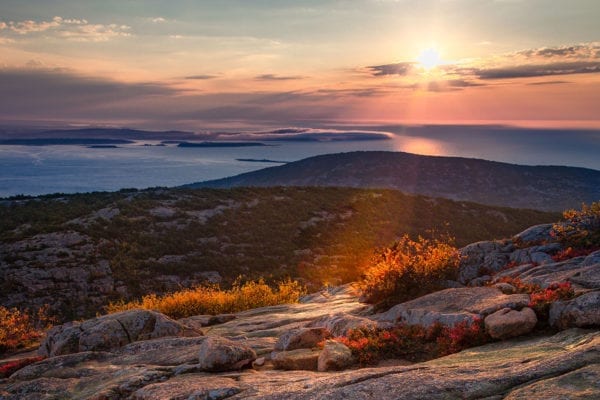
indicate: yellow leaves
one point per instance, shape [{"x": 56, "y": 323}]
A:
[
  {"x": 409, "y": 269},
  {"x": 21, "y": 328},
  {"x": 212, "y": 300}
]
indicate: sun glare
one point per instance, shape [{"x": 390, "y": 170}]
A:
[{"x": 429, "y": 59}]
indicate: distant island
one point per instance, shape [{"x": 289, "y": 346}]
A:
[
  {"x": 261, "y": 160},
  {"x": 103, "y": 146},
  {"x": 63, "y": 141},
  {"x": 219, "y": 144}
]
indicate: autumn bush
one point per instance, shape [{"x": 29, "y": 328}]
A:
[
  {"x": 20, "y": 329},
  {"x": 542, "y": 299},
  {"x": 213, "y": 300},
  {"x": 413, "y": 342},
  {"x": 409, "y": 269},
  {"x": 581, "y": 228}
]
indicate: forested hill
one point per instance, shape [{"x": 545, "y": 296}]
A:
[{"x": 551, "y": 188}]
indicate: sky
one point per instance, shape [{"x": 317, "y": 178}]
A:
[{"x": 226, "y": 64}]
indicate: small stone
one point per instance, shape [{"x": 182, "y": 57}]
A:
[
  {"x": 505, "y": 288},
  {"x": 335, "y": 356},
  {"x": 508, "y": 323},
  {"x": 259, "y": 362}
]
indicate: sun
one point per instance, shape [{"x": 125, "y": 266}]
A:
[{"x": 429, "y": 59}]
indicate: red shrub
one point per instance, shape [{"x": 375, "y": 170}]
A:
[
  {"x": 570, "y": 252},
  {"x": 541, "y": 299},
  {"x": 10, "y": 367},
  {"x": 462, "y": 336},
  {"x": 413, "y": 342}
]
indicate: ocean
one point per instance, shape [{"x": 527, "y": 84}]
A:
[{"x": 36, "y": 170}]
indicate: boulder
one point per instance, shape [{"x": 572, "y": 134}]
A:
[
  {"x": 102, "y": 335},
  {"x": 108, "y": 332},
  {"x": 335, "y": 356},
  {"x": 299, "y": 359},
  {"x": 535, "y": 234},
  {"x": 583, "y": 311},
  {"x": 507, "y": 323},
  {"x": 220, "y": 354},
  {"x": 341, "y": 324},
  {"x": 452, "y": 306},
  {"x": 482, "y": 258},
  {"x": 303, "y": 338}
]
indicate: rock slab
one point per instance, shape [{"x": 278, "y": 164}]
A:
[{"x": 109, "y": 332}]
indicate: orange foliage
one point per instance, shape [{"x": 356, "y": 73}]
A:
[
  {"x": 409, "y": 269},
  {"x": 212, "y": 300},
  {"x": 19, "y": 329}
]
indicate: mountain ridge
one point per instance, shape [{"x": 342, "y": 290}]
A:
[{"x": 550, "y": 188}]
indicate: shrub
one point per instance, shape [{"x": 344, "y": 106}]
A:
[
  {"x": 7, "y": 369},
  {"x": 581, "y": 229},
  {"x": 409, "y": 269},
  {"x": 413, "y": 342},
  {"x": 570, "y": 252},
  {"x": 212, "y": 300},
  {"x": 20, "y": 329},
  {"x": 540, "y": 300}
]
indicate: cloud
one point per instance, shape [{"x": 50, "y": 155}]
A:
[
  {"x": 366, "y": 92},
  {"x": 36, "y": 90},
  {"x": 272, "y": 77},
  {"x": 49, "y": 94},
  {"x": 402, "y": 68},
  {"x": 70, "y": 29},
  {"x": 3, "y": 25},
  {"x": 158, "y": 20},
  {"x": 308, "y": 135},
  {"x": 547, "y": 83},
  {"x": 201, "y": 77},
  {"x": 461, "y": 83},
  {"x": 578, "y": 51},
  {"x": 538, "y": 70}
]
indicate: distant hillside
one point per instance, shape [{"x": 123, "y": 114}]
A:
[
  {"x": 551, "y": 188},
  {"x": 76, "y": 252}
]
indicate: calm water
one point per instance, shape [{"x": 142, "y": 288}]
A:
[{"x": 49, "y": 169}]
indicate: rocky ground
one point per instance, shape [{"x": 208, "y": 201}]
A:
[{"x": 272, "y": 352}]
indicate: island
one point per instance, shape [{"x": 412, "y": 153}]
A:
[
  {"x": 220, "y": 144},
  {"x": 261, "y": 160},
  {"x": 63, "y": 141}
]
